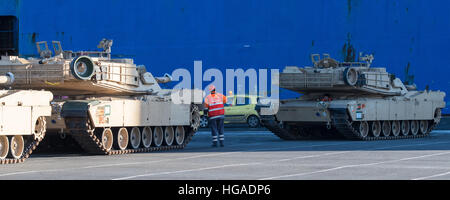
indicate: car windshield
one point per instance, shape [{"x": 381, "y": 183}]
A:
[
  {"x": 243, "y": 101},
  {"x": 230, "y": 101}
]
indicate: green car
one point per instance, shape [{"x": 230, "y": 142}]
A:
[{"x": 239, "y": 109}]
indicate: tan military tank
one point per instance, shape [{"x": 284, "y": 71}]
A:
[
  {"x": 353, "y": 99},
  {"x": 22, "y": 120},
  {"x": 109, "y": 106}
]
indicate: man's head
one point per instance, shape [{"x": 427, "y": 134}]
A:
[{"x": 212, "y": 89}]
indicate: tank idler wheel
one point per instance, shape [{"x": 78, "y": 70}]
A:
[
  {"x": 158, "y": 136},
  {"x": 414, "y": 127},
  {"x": 107, "y": 139},
  {"x": 423, "y": 127},
  {"x": 396, "y": 128},
  {"x": 122, "y": 139},
  {"x": 169, "y": 135},
  {"x": 437, "y": 116},
  {"x": 179, "y": 135},
  {"x": 376, "y": 129},
  {"x": 147, "y": 136},
  {"x": 39, "y": 128},
  {"x": 405, "y": 127},
  {"x": 16, "y": 147},
  {"x": 135, "y": 138},
  {"x": 386, "y": 128},
  {"x": 363, "y": 129},
  {"x": 4, "y": 146}
]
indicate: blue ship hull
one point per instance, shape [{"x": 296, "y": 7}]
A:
[{"x": 168, "y": 34}]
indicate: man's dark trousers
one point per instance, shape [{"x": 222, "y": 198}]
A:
[{"x": 217, "y": 130}]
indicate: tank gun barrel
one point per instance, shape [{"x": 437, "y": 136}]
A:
[{"x": 7, "y": 79}]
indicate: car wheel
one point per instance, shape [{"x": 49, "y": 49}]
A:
[
  {"x": 204, "y": 122},
  {"x": 253, "y": 121}
]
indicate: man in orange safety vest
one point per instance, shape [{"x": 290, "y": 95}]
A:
[{"x": 215, "y": 103}]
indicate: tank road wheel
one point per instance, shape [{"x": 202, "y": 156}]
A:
[
  {"x": 158, "y": 136},
  {"x": 122, "y": 139},
  {"x": 386, "y": 128},
  {"x": 179, "y": 135},
  {"x": 405, "y": 127},
  {"x": 135, "y": 138},
  {"x": 375, "y": 129},
  {"x": 363, "y": 129},
  {"x": 396, "y": 128},
  {"x": 414, "y": 127},
  {"x": 423, "y": 127},
  {"x": 4, "y": 146},
  {"x": 147, "y": 136},
  {"x": 16, "y": 147},
  {"x": 107, "y": 139},
  {"x": 169, "y": 135}
]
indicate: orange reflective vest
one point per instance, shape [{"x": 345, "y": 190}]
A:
[{"x": 215, "y": 104}]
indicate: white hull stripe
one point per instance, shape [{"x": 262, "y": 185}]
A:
[
  {"x": 216, "y": 117},
  {"x": 215, "y": 109}
]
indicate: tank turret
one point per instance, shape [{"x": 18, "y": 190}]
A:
[
  {"x": 330, "y": 76},
  {"x": 82, "y": 73}
]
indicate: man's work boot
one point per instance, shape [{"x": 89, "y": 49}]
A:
[
  {"x": 221, "y": 144},
  {"x": 214, "y": 144}
]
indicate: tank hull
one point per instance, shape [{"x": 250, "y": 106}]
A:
[
  {"x": 129, "y": 125},
  {"x": 423, "y": 106},
  {"x": 126, "y": 112}
]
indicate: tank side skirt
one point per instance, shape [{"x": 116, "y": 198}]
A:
[
  {"x": 341, "y": 124},
  {"x": 340, "y": 119},
  {"x": 83, "y": 132}
]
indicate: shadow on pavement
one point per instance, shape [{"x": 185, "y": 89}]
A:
[{"x": 264, "y": 141}]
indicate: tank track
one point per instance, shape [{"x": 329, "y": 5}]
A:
[
  {"x": 344, "y": 126},
  {"x": 28, "y": 150},
  {"x": 341, "y": 124},
  {"x": 289, "y": 132},
  {"x": 89, "y": 142},
  {"x": 279, "y": 131}
]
